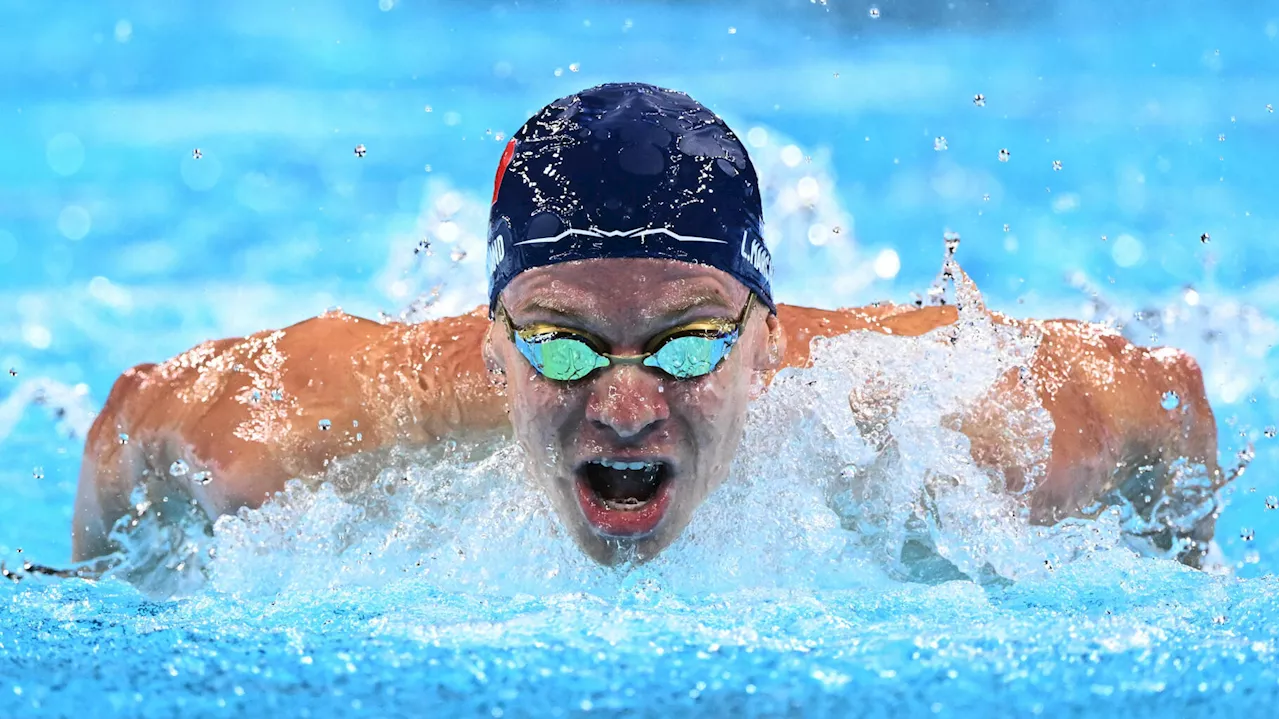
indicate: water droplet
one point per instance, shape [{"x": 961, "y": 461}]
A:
[
  {"x": 939, "y": 144},
  {"x": 980, "y": 100},
  {"x": 873, "y": 12},
  {"x": 1169, "y": 400},
  {"x": 124, "y": 438},
  {"x": 1057, "y": 165},
  {"x": 178, "y": 468},
  {"x": 1004, "y": 155},
  {"x": 574, "y": 67},
  {"x": 951, "y": 240},
  {"x": 38, "y": 473},
  {"x": 202, "y": 477},
  {"x": 1204, "y": 238},
  {"x": 1246, "y": 534},
  {"x": 197, "y": 154},
  {"x": 1272, "y": 502},
  {"x": 277, "y": 394},
  {"x": 324, "y": 425},
  {"x": 360, "y": 150}
]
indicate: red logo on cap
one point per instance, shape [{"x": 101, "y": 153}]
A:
[{"x": 502, "y": 168}]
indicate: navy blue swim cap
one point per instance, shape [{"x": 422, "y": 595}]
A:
[{"x": 626, "y": 170}]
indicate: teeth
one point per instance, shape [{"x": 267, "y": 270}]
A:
[
  {"x": 634, "y": 466},
  {"x": 625, "y": 504}
]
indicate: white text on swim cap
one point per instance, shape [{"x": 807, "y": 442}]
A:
[{"x": 758, "y": 256}]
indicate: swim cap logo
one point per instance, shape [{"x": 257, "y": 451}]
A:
[
  {"x": 497, "y": 252},
  {"x": 502, "y": 168},
  {"x": 758, "y": 256}
]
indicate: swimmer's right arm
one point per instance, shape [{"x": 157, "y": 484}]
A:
[{"x": 257, "y": 411}]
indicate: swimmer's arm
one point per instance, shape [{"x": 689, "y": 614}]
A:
[
  {"x": 215, "y": 408},
  {"x": 1107, "y": 398},
  {"x": 1102, "y": 393}
]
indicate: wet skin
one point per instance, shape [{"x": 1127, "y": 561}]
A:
[{"x": 249, "y": 410}]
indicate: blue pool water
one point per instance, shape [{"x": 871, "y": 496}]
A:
[{"x": 462, "y": 596}]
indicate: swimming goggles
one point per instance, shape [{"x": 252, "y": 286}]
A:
[{"x": 685, "y": 352}]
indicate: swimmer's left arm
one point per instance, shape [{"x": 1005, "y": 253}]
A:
[
  {"x": 1105, "y": 395},
  {"x": 1116, "y": 408}
]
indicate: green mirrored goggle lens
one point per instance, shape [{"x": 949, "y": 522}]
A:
[
  {"x": 561, "y": 358},
  {"x": 691, "y": 355}
]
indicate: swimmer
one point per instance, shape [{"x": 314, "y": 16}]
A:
[{"x": 630, "y": 324}]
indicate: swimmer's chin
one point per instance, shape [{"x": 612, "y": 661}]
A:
[
  {"x": 614, "y": 550},
  {"x": 610, "y": 551}
]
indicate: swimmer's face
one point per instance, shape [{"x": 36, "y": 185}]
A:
[{"x": 679, "y": 436}]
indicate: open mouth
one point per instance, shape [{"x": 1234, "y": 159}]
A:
[{"x": 624, "y": 497}]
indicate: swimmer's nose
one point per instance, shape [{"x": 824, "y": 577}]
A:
[{"x": 627, "y": 400}]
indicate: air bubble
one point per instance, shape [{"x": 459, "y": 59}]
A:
[
  {"x": 1057, "y": 165},
  {"x": 980, "y": 100},
  {"x": 324, "y": 425},
  {"x": 202, "y": 477},
  {"x": 13, "y": 372},
  {"x": 124, "y": 438},
  {"x": 1006, "y": 227},
  {"x": 277, "y": 394},
  {"x": 733, "y": 31},
  {"x": 1246, "y": 534},
  {"x": 1004, "y": 155},
  {"x": 1222, "y": 137},
  {"x": 197, "y": 154},
  {"x": 1204, "y": 238},
  {"x": 38, "y": 473},
  {"x": 873, "y": 12},
  {"x": 1169, "y": 400},
  {"x": 458, "y": 254},
  {"x": 1269, "y": 433},
  {"x": 360, "y": 150},
  {"x": 178, "y": 468},
  {"x": 574, "y": 67},
  {"x": 1272, "y": 502},
  {"x": 939, "y": 144}
]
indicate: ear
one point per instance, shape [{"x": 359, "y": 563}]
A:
[
  {"x": 773, "y": 346},
  {"x": 493, "y": 360}
]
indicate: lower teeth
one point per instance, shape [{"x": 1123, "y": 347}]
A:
[{"x": 627, "y": 503}]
